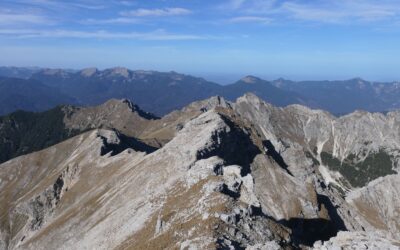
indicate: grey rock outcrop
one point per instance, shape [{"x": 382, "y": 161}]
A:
[
  {"x": 359, "y": 240},
  {"x": 379, "y": 203}
]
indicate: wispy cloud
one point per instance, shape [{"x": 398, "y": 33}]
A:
[
  {"x": 10, "y": 18},
  {"x": 118, "y": 20},
  {"x": 342, "y": 11},
  {"x": 250, "y": 19},
  {"x": 324, "y": 11},
  {"x": 156, "y": 12},
  {"x": 100, "y": 34},
  {"x": 90, "y": 5}
]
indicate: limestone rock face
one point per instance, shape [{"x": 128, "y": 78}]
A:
[
  {"x": 359, "y": 240},
  {"x": 379, "y": 203},
  {"x": 350, "y": 151},
  {"x": 242, "y": 175},
  {"x": 361, "y": 147}
]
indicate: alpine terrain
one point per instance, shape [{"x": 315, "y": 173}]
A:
[{"x": 215, "y": 174}]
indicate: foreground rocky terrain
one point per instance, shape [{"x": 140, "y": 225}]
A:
[{"x": 214, "y": 175}]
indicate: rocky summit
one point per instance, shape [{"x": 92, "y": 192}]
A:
[{"x": 213, "y": 175}]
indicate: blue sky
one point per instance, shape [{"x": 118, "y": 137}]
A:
[{"x": 219, "y": 39}]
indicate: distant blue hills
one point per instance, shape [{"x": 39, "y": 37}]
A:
[{"x": 37, "y": 89}]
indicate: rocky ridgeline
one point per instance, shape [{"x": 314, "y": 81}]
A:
[
  {"x": 242, "y": 175},
  {"x": 350, "y": 151}
]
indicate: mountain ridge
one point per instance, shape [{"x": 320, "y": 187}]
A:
[
  {"x": 163, "y": 92},
  {"x": 129, "y": 119},
  {"x": 229, "y": 175},
  {"x": 225, "y": 175}
]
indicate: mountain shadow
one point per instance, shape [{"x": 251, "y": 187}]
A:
[{"x": 308, "y": 231}]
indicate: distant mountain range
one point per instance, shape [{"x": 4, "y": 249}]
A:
[
  {"x": 341, "y": 97},
  {"x": 163, "y": 92}
]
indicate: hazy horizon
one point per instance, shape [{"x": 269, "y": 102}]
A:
[{"x": 221, "y": 78}]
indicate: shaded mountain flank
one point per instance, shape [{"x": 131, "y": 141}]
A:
[{"x": 29, "y": 95}]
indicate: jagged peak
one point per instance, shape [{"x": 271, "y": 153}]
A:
[
  {"x": 250, "y": 98},
  {"x": 218, "y": 100},
  {"x": 126, "y": 103},
  {"x": 208, "y": 104},
  {"x": 253, "y": 99}
]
